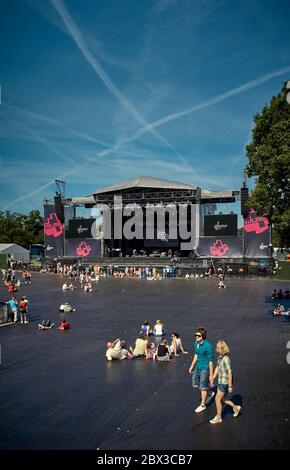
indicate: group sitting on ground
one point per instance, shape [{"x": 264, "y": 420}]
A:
[
  {"x": 144, "y": 349},
  {"x": 67, "y": 287},
  {"x": 280, "y": 294}
]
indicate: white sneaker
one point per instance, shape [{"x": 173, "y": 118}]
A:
[
  {"x": 216, "y": 420},
  {"x": 209, "y": 398},
  {"x": 200, "y": 408},
  {"x": 26, "y": 321},
  {"x": 237, "y": 409}
]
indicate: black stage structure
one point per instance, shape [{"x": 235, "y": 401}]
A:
[{"x": 213, "y": 234}]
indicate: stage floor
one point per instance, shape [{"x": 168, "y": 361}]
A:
[{"x": 59, "y": 392}]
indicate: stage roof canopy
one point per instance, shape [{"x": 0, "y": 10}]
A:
[
  {"x": 145, "y": 182},
  {"x": 135, "y": 185}
]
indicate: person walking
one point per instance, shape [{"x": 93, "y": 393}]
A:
[
  {"x": 224, "y": 373},
  {"x": 202, "y": 368}
]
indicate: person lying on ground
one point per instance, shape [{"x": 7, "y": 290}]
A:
[
  {"x": 115, "y": 350},
  {"x": 176, "y": 346},
  {"x": 64, "y": 325},
  {"x": 45, "y": 325},
  {"x": 279, "y": 310},
  {"x": 66, "y": 308}
]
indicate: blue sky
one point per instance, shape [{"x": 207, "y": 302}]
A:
[{"x": 95, "y": 92}]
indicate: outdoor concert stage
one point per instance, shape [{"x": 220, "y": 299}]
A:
[
  {"x": 59, "y": 392},
  {"x": 190, "y": 223}
]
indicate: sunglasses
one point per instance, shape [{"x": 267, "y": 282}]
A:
[{"x": 198, "y": 335}]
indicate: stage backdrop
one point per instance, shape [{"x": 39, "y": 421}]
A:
[
  {"x": 80, "y": 228},
  {"x": 220, "y": 225},
  {"x": 220, "y": 247},
  {"x": 82, "y": 248},
  {"x": 53, "y": 233},
  {"x": 257, "y": 236}
]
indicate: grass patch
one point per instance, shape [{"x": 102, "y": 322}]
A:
[{"x": 284, "y": 271}]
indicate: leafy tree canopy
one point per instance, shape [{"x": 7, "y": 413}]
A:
[
  {"x": 24, "y": 230},
  {"x": 269, "y": 160}
]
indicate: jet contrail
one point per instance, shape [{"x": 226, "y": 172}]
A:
[
  {"x": 216, "y": 99},
  {"x": 41, "y": 188},
  {"x": 43, "y": 118},
  {"x": 80, "y": 43}
]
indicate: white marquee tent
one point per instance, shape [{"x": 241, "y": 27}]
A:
[{"x": 18, "y": 252}]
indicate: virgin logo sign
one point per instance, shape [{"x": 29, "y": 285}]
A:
[
  {"x": 83, "y": 249},
  {"x": 53, "y": 226},
  {"x": 257, "y": 224},
  {"x": 219, "y": 248}
]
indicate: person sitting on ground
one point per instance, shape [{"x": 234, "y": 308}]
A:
[
  {"x": 141, "y": 343},
  {"x": 163, "y": 351},
  {"x": 66, "y": 308},
  {"x": 71, "y": 287},
  {"x": 65, "y": 286},
  {"x": 158, "y": 329},
  {"x": 145, "y": 328},
  {"x": 287, "y": 294},
  {"x": 64, "y": 325},
  {"x": 45, "y": 325},
  {"x": 280, "y": 294},
  {"x": 115, "y": 350},
  {"x": 278, "y": 310},
  {"x": 176, "y": 346},
  {"x": 88, "y": 287},
  {"x": 11, "y": 288},
  {"x": 151, "y": 351},
  {"x": 274, "y": 294},
  {"x": 23, "y": 305}
]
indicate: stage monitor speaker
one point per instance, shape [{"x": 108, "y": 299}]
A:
[
  {"x": 244, "y": 199},
  {"x": 59, "y": 208}
]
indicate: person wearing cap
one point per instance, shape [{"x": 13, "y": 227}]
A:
[{"x": 202, "y": 368}]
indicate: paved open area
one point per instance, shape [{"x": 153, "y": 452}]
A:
[{"x": 59, "y": 392}]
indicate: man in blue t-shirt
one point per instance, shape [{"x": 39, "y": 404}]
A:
[
  {"x": 14, "y": 307},
  {"x": 202, "y": 367}
]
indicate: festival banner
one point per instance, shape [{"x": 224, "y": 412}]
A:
[
  {"x": 220, "y": 247},
  {"x": 53, "y": 233},
  {"x": 82, "y": 248},
  {"x": 257, "y": 233}
]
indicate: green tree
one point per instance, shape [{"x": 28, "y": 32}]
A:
[
  {"x": 269, "y": 160},
  {"x": 24, "y": 230}
]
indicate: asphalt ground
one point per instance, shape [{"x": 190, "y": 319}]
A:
[{"x": 59, "y": 392}]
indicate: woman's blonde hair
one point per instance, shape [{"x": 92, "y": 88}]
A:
[
  {"x": 159, "y": 321},
  {"x": 222, "y": 348}
]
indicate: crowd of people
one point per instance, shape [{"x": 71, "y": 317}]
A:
[
  {"x": 143, "y": 348},
  {"x": 201, "y": 369},
  {"x": 280, "y": 309}
]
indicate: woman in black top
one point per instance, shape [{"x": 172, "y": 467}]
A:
[{"x": 163, "y": 351}]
